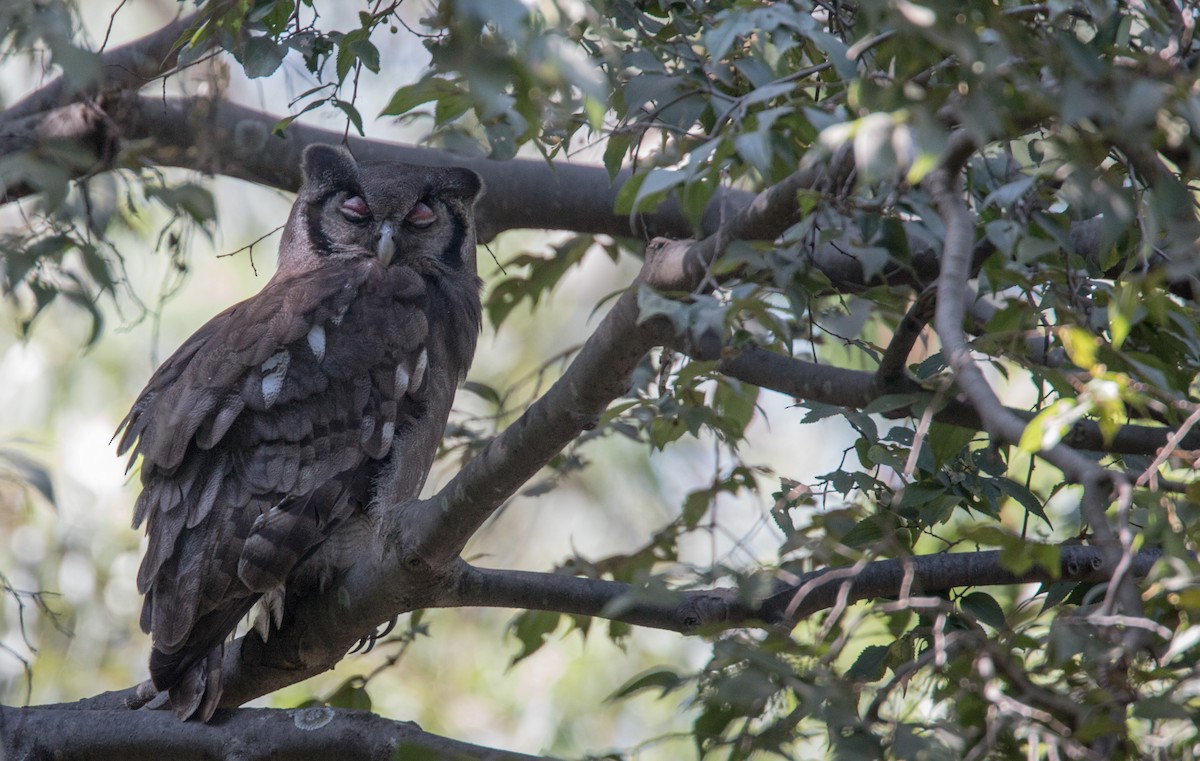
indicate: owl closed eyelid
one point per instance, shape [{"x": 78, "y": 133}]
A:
[
  {"x": 421, "y": 215},
  {"x": 355, "y": 209},
  {"x": 251, "y": 487}
]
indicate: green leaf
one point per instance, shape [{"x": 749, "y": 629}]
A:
[
  {"x": 947, "y": 442},
  {"x": 645, "y": 190},
  {"x": 985, "y": 608},
  {"x": 868, "y": 531},
  {"x": 532, "y": 628},
  {"x": 410, "y": 96},
  {"x": 261, "y": 56},
  {"x": 614, "y": 152},
  {"x": 1026, "y": 498},
  {"x": 871, "y": 664},
  {"x": 351, "y": 113},
  {"x": 283, "y": 123},
  {"x": 352, "y": 694},
  {"x": 356, "y": 47},
  {"x": 276, "y": 17},
  {"x": 663, "y": 431},
  {"x": 663, "y": 679}
]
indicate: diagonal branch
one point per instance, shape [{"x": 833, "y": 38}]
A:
[
  {"x": 997, "y": 420},
  {"x": 893, "y": 365}
]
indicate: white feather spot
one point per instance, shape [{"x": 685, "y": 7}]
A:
[
  {"x": 368, "y": 427},
  {"x": 401, "y": 381},
  {"x": 273, "y": 371},
  {"x": 316, "y": 341},
  {"x": 418, "y": 374}
]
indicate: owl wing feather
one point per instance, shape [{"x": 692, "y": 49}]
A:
[{"x": 256, "y": 438}]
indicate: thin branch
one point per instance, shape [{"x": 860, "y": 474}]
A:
[
  {"x": 685, "y": 611},
  {"x": 894, "y": 362},
  {"x": 855, "y": 389},
  {"x": 931, "y": 574},
  {"x": 1150, "y": 476}
]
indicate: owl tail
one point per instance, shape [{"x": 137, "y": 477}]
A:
[
  {"x": 191, "y": 675},
  {"x": 197, "y": 692}
]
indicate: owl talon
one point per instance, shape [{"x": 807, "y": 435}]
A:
[{"x": 370, "y": 640}]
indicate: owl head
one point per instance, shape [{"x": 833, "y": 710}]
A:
[{"x": 421, "y": 217}]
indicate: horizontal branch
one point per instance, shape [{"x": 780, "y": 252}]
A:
[
  {"x": 221, "y": 137},
  {"x": 682, "y": 612},
  {"x": 686, "y": 611},
  {"x": 857, "y": 389},
  {"x": 931, "y": 574},
  {"x": 249, "y": 734}
]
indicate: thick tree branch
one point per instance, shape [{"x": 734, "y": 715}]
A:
[
  {"x": 43, "y": 732},
  {"x": 116, "y": 731},
  {"x": 220, "y": 137}
]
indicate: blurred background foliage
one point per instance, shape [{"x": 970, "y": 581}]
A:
[{"x": 1088, "y": 112}]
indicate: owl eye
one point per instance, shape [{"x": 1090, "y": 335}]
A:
[
  {"x": 355, "y": 209},
  {"x": 421, "y": 216}
]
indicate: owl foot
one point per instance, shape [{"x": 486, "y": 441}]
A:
[{"x": 367, "y": 643}]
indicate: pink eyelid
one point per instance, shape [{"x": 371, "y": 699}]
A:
[
  {"x": 357, "y": 206},
  {"x": 421, "y": 215}
]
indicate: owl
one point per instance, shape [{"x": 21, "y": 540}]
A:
[{"x": 289, "y": 416}]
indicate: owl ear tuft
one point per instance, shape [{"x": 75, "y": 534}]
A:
[
  {"x": 464, "y": 183},
  {"x": 327, "y": 166}
]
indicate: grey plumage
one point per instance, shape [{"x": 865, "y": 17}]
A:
[{"x": 292, "y": 412}]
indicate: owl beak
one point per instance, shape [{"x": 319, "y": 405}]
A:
[{"x": 386, "y": 247}]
